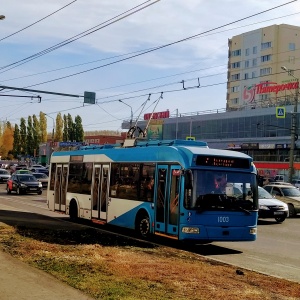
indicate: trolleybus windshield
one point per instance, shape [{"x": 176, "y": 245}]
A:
[{"x": 215, "y": 190}]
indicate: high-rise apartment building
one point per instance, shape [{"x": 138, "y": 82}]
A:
[{"x": 255, "y": 61}]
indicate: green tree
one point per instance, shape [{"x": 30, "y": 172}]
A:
[
  {"x": 59, "y": 128},
  {"x": 43, "y": 127},
  {"x": 17, "y": 141},
  {"x": 66, "y": 131},
  {"x": 23, "y": 136},
  {"x": 36, "y": 134},
  {"x": 71, "y": 133},
  {"x": 79, "y": 132},
  {"x": 30, "y": 142}
]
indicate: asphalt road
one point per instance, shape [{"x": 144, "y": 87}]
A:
[{"x": 275, "y": 252}]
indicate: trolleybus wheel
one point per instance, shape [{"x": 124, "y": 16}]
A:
[
  {"x": 143, "y": 225},
  {"x": 73, "y": 211}
]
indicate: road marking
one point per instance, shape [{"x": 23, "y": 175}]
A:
[{"x": 13, "y": 199}]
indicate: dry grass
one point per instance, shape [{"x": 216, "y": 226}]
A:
[{"x": 109, "y": 267}]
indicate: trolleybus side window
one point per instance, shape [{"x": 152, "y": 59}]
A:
[
  {"x": 174, "y": 197},
  {"x": 52, "y": 176},
  {"x": 80, "y": 178},
  {"x": 132, "y": 181}
]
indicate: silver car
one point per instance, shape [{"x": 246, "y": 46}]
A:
[{"x": 4, "y": 175}]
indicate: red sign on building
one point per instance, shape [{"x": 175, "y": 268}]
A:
[{"x": 158, "y": 115}]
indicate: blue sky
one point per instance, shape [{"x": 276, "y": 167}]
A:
[{"x": 131, "y": 80}]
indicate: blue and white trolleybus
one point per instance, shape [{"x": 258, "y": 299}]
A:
[{"x": 176, "y": 188}]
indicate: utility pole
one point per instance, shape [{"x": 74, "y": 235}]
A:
[{"x": 294, "y": 125}]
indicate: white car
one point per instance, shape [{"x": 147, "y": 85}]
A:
[
  {"x": 288, "y": 194},
  {"x": 4, "y": 175},
  {"x": 269, "y": 207}
]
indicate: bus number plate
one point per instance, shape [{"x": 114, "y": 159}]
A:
[{"x": 223, "y": 219}]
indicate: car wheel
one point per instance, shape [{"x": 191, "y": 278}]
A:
[
  {"x": 292, "y": 212},
  {"x": 8, "y": 191},
  {"x": 280, "y": 219},
  {"x": 40, "y": 192},
  {"x": 143, "y": 226}
]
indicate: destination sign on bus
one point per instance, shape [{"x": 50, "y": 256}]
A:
[{"x": 219, "y": 161}]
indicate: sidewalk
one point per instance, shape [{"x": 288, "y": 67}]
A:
[{"x": 19, "y": 281}]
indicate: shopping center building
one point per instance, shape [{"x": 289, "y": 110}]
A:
[{"x": 261, "y": 101}]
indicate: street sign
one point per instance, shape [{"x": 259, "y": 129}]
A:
[
  {"x": 280, "y": 112},
  {"x": 89, "y": 97}
]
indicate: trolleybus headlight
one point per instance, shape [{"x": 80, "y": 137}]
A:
[
  {"x": 190, "y": 230},
  {"x": 253, "y": 230}
]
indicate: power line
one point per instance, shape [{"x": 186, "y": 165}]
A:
[
  {"x": 121, "y": 55},
  {"x": 37, "y": 21},
  {"x": 160, "y": 47},
  {"x": 80, "y": 35}
]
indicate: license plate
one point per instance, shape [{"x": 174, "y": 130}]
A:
[
  {"x": 32, "y": 189},
  {"x": 278, "y": 213}
]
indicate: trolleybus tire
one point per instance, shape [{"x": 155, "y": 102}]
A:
[
  {"x": 143, "y": 225},
  {"x": 73, "y": 211}
]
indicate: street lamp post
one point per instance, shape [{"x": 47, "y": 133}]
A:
[
  {"x": 131, "y": 113},
  {"x": 294, "y": 126}
]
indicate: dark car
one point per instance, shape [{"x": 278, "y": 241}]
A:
[
  {"x": 24, "y": 183},
  {"x": 43, "y": 178},
  {"x": 40, "y": 170}
]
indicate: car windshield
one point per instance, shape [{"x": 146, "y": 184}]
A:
[
  {"x": 27, "y": 178},
  {"x": 290, "y": 192},
  {"x": 223, "y": 190},
  {"x": 3, "y": 172},
  {"x": 263, "y": 194}
]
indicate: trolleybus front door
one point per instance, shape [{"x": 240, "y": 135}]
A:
[
  {"x": 167, "y": 196},
  {"x": 99, "y": 191},
  {"x": 60, "y": 187}
]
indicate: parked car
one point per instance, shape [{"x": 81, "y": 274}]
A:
[
  {"x": 39, "y": 170},
  {"x": 43, "y": 178},
  {"x": 288, "y": 194},
  {"x": 22, "y": 171},
  {"x": 270, "y": 207},
  {"x": 4, "y": 175},
  {"x": 24, "y": 183},
  {"x": 37, "y": 166},
  {"x": 296, "y": 183}
]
